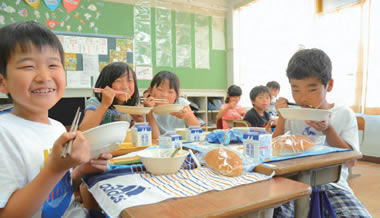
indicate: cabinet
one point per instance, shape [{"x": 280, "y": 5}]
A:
[{"x": 209, "y": 104}]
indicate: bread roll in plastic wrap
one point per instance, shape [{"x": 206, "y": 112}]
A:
[
  {"x": 290, "y": 145},
  {"x": 224, "y": 161}
]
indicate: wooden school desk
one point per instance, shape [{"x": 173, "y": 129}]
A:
[
  {"x": 312, "y": 170},
  {"x": 240, "y": 200}
]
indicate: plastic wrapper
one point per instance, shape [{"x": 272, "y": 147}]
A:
[
  {"x": 288, "y": 144},
  {"x": 224, "y": 137},
  {"x": 228, "y": 162}
]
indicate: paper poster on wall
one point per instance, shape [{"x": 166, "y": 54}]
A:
[
  {"x": 84, "y": 45},
  {"x": 102, "y": 64},
  {"x": 91, "y": 65},
  {"x": 202, "y": 46},
  {"x": 117, "y": 56},
  {"x": 78, "y": 79},
  {"x": 163, "y": 38},
  {"x": 183, "y": 39},
  {"x": 70, "y": 61},
  {"x": 144, "y": 72},
  {"x": 218, "y": 40},
  {"x": 124, "y": 45},
  {"x": 142, "y": 40}
]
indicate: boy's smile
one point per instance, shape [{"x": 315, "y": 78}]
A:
[
  {"x": 310, "y": 91},
  {"x": 35, "y": 80}
]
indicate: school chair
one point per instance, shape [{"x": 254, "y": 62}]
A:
[
  {"x": 361, "y": 122},
  {"x": 237, "y": 123},
  {"x": 219, "y": 124}
]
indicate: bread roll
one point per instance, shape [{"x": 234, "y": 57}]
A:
[
  {"x": 224, "y": 161},
  {"x": 290, "y": 144}
]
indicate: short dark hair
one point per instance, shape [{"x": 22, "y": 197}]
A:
[
  {"x": 308, "y": 63},
  {"x": 110, "y": 73},
  {"x": 273, "y": 85},
  {"x": 257, "y": 90},
  {"x": 161, "y": 76},
  {"x": 24, "y": 35},
  {"x": 232, "y": 91}
]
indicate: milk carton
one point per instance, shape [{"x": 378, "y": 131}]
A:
[
  {"x": 193, "y": 134},
  {"x": 170, "y": 140},
  {"x": 141, "y": 134},
  {"x": 257, "y": 145}
]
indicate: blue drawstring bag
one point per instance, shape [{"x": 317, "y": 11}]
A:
[
  {"x": 224, "y": 137},
  {"x": 318, "y": 202}
]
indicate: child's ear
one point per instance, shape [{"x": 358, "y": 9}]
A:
[
  {"x": 330, "y": 85},
  {"x": 3, "y": 85}
]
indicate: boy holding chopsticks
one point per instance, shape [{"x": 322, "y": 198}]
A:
[{"x": 32, "y": 75}]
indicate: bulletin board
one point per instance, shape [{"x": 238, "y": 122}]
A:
[{"x": 95, "y": 18}]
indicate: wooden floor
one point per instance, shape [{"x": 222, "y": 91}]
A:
[{"x": 366, "y": 186}]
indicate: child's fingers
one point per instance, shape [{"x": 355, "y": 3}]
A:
[
  {"x": 80, "y": 150},
  {"x": 105, "y": 156}
]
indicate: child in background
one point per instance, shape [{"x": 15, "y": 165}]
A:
[
  {"x": 117, "y": 76},
  {"x": 309, "y": 74},
  {"x": 274, "y": 89},
  {"x": 257, "y": 116},
  {"x": 231, "y": 110},
  {"x": 165, "y": 85},
  {"x": 33, "y": 77}
]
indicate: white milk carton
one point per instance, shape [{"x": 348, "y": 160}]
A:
[
  {"x": 194, "y": 134},
  {"x": 257, "y": 145},
  {"x": 141, "y": 134},
  {"x": 170, "y": 140}
]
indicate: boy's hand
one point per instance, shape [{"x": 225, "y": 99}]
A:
[
  {"x": 108, "y": 95},
  {"x": 281, "y": 103},
  {"x": 80, "y": 152},
  {"x": 95, "y": 166},
  {"x": 319, "y": 126}
]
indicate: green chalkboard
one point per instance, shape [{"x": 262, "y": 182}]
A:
[{"x": 116, "y": 19}]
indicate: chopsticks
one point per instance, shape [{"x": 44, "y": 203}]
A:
[
  {"x": 74, "y": 126},
  {"x": 158, "y": 100},
  {"x": 301, "y": 105},
  {"x": 99, "y": 90}
]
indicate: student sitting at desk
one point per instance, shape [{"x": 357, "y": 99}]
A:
[
  {"x": 257, "y": 116},
  {"x": 33, "y": 77},
  {"x": 114, "y": 77},
  {"x": 231, "y": 110},
  {"x": 309, "y": 74},
  {"x": 165, "y": 85}
]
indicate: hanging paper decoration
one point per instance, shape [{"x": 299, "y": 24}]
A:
[
  {"x": 23, "y": 12},
  {"x": 18, "y": 2},
  {"x": 51, "y": 23},
  {"x": 9, "y": 9},
  {"x": 91, "y": 7},
  {"x": 62, "y": 23},
  {"x": 52, "y": 4},
  {"x": 33, "y": 3},
  {"x": 70, "y": 5},
  {"x": 37, "y": 14},
  {"x": 68, "y": 27},
  {"x": 2, "y": 20},
  {"x": 87, "y": 16}
]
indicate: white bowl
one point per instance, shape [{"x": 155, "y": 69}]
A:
[
  {"x": 158, "y": 165},
  {"x": 168, "y": 108},
  {"x": 105, "y": 138},
  {"x": 305, "y": 114},
  {"x": 134, "y": 110}
]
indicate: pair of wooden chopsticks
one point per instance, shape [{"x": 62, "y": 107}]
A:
[
  {"x": 158, "y": 100},
  {"x": 301, "y": 105},
  {"x": 99, "y": 90},
  {"x": 74, "y": 126}
]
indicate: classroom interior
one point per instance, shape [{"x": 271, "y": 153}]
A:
[{"x": 211, "y": 44}]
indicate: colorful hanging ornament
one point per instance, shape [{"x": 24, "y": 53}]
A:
[
  {"x": 70, "y": 5},
  {"x": 22, "y": 12},
  {"x": 37, "y": 14},
  {"x": 33, "y": 3},
  {"x": 52, "y": 4},
  {"x": 51, "y": 23}
]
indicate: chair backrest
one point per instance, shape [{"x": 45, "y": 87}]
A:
[
  {"x": 241, "y": 123},
  {"x": 219, "y": 124},
  {"x": 360, "y": 121}
]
